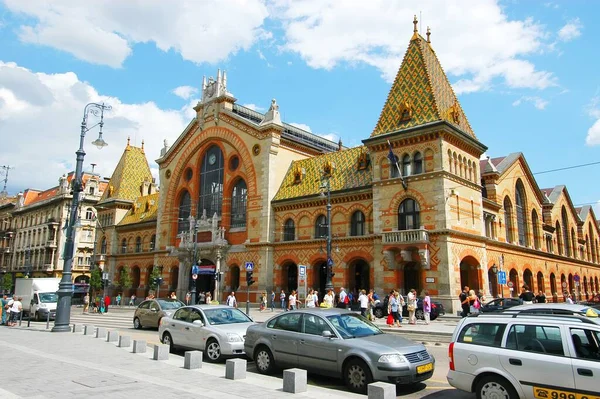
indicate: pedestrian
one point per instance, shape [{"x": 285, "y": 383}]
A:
[
  {"x": 363, "y": 300},
  {"x": 411, "y": 306},
  {"x": 208, "y": 297},
  {"x": 526, "y": 295},
  {"x": 201, "y": 298},
  {"x": 188, "y": 298},
  {"x": 292, "y": 300},
  {"x": 272, "y": 301},
  {"x": 540, "y": 297},
  {"x": 426, "y": 307},
  {"x": 263, "y": 301},
  {"x": 86, "y": 302},
  {"x": 569, "y": 299},
  {"x": 231, "y": 301},
  {"x": 474, "y": 304},
  {"x": 310, "y": 299},
  {"x": 173, "y": 295},
  {"x": 464, "y": 301},
  {"x": 106, "y": 303},
  {"x": 118, "y": 300},
  {"x": 328, "y": 300},
  {"x": 393, "y": 307},
  {"x": 132, "y": 300},
  {"x": 15, "y": 310},
  {"x": 343, "y": 303},
  {"x": 4, "y": 308},
  {"x": 316, "y": 298},
  {"x": 282, "y": 299},
  {"x": 371, "y": 296}
]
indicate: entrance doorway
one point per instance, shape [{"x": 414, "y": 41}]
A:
[
  {"x": 412, "y": 277},
  {"x": 290, "y": 277},
  {"x": 469, "y": 274},
  {"x": 320, "y": 278},
  {"x": 359, "y": 277},
  {"x": 204, "y": 282}
]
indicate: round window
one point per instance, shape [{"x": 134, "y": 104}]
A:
[
  {"x": 234, "y": 162},
  {"x": 189, "y": 173},
  {"x": 256, "y": 149}
]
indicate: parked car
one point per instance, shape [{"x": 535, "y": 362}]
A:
[
  {"x": 150, "y": 311},
  {"x": 337, "y": 343},
  {"x": 525, "y": 356},
  {"x": 499, "y": 304},
  {"x": 557, "y": 308},
  {"x": 219, "y": 331},
  {"x": 437, "y": 309}
]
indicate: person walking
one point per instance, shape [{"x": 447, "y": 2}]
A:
[
  {"x": 343, "y": 303},
  {"x": 541, "y": 297},
  {"x": 118, "y": 300},
  {"x": 106, "y": 303},
  {"x": 86, "y": 303},
  {"x": 474, "y": 304},
  {"x": 132, "y": 300},
  {"x": 173, "y": 295},
  {"x": 393, "y": 307},
  {"x": 411, "y": 306},
  {"x": 526, "y": 295},
  {"x": 363, "y": 300},
  {"x": 464, "y": 301},
  {"x": 426, "y": 307},
  {"x": 292, "y": 300},
  {"x": 15, "y": 310},
  {"x": 231, "y": 301},
  {"x": 188, "y": 298},
  {"x": 328, "y": 299},
  {"x": 272, "y": 301},
  {"x": 282, "y": 299},
  {"x": 310, "y": 299},
  {"x": 263, "y": 301},
  {"x": 208, "y": 298},
  {"x": 4, "y": 308}
]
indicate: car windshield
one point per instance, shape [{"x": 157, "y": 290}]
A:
[
  {"x": 169, "y": 304},
  {"x": 226, "y": 316},
  {"x": 48, "y": 297},
  {"x": 350, "y": 325}
]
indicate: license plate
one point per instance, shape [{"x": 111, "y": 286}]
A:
[
  {"x": 424, "y": 368},
  {"x": 546, "y": 393}
]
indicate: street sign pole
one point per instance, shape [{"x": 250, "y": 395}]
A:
[{"x": 249, "y": 268}]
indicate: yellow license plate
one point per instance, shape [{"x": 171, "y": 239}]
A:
[
  {"x": 546, "y": 393},
  {"x": 424, "y": 368}
]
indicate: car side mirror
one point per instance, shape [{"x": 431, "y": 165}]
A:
[
  {"x": 327, "y": 334},
  {"x": 198, "y": 323}
]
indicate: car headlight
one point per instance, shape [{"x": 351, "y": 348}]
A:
[
  {"x": 233, "y": 337},
  {"x": 392, "y": 358}
]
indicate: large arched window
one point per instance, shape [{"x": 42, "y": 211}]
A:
[
  {"x": 417, "y": 163},
  {"x": 520, "y": 202},
  {"x": 565, "y": 232},
  {"x": 183, "y": 223},
  {"x": 138, "y": 244},
  {"x": 211, "y": 182},
  {"x": 239, "y": 200},
  {"x": 508, "y": 220},
  {"x": 103, "y": 246},
  {"x": 573, "y": 243},
  {"x": 559, "y": 238},
  {"x": 406, "y": 165},
  {"x": 124, "y": 246},
  {"x": 535, "y": 225},
  {"x": 409, "y": 215},
  {"x": 89, "y": 214},
  {"x": 234, "y": 278},
  {"x": 357, "y": 224},
  {"x": 289, "y": 230},
  {"x": 321, "y": 227}
]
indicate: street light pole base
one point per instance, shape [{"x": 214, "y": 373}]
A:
[{"x": 62, "y": 328}]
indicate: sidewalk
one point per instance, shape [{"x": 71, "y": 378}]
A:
[{"x": 41, "y": 364}]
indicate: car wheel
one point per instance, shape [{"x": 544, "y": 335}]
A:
[
  {"x": 357, "y": 376},
  {"x": 495, "y": 387},
  {"x": 419, "y": 314},
  {"x": 213, "y": 350},
  {"x": 137, "y": 324},
  {"x": 168, "y": 340},
  {"x": 378, "y": 312},
  {"x": 263, "y": 358}
]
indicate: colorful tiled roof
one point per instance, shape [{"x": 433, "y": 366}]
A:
[
  {"x": 145, "y": 208},
  {"x": 346, "y": 174},
  {"x": 420, "y": 94},
  {"x": 131, "y": 171}
]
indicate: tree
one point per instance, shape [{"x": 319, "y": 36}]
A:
[
  {"x": 153, "y": 276},
  {"x": 7, "y": 282},
  {"x": 96, "y": 281},
  {"x": 125, "y": 279}
]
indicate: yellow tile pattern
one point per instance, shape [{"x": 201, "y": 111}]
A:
[
  {"x": 422, "y": 85},
  {"x": 131, "y": 171},
  {"x": 346, "y": 174},
  {"x": 144, "y": 208}
]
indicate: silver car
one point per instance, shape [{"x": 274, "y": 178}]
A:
[
  {"x": 151, "y": 311},
  {"x": 558, "y": 309},
  {"x": 219, "y": 331},
  {"x": 337, "y": 343}
]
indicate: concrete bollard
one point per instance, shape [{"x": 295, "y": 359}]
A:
[
  {"x": 381, "y": 390},
  {"x": 101, "y": 332},
  {"x": 88, "y": 329},
  {"x": 77, "y": 328},
  {"x": 235, "y": 369},
  {"x": 139, "y": 346},
  {"x": 124, "y": 341},
  {"x": 294, "y": 380},
  {"x": 192, "y": 360},
  {"x": 161, "y": 352},
  {"x": 113, "y": 336}
]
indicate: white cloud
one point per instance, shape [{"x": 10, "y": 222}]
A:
[
  {"x": 571, "y": 30},
  {"x": 104, "y": 32},
  {"x": 51, "y": 123},
  {"x": 593, "y": 110},
  {"x": 329, "y": 136},
  {"x": 302, "y": 126},
  {"x": 185, "y": 92},
  {"x": 474, "y": 39},
  {"x": 254, "y": 107},
  {"x": 537, "y": 102}
]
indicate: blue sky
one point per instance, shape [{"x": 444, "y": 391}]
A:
[{"x": 525, "y": 71}]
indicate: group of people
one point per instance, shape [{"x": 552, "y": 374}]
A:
[
  {"x": 100, "y": 305},
  {"x": 11, "y": 308},
  {"x": 201, "y": 297},
  {"x": 396, "y": 303}
]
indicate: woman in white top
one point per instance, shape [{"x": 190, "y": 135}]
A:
[
  {"x": 411, "y": 306},
  {"x": 328, "y": 299},
  {"x": 310, "y": 299},
  {"x": 292, "y": 300}
]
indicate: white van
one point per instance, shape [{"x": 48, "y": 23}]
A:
[{"x": 39, "y": 296}]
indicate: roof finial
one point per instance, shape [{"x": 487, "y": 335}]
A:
[
  {"x": 415, "y": 22},
  {"x": 142, "y": 145},
  {"x": 128, "y": 140},
  {"x": 428, "y": 35}
]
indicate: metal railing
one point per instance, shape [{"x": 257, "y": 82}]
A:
[{"x": 405, "y": 236}]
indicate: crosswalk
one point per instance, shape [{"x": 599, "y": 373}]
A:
[{"x": 115, "y": 320}]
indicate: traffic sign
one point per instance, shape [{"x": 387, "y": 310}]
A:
[
  {"x": 501, "y": 277},
  {"x": 105, "y": 276},
  {"x": 249, "y": 266},
  {"x": 194, "y": 276},
  {"x": 510, "y": 284},
  {"x": 195, "y": 269},
  {"x": 302, "y": 270},
  {"x": 576, "y": 278}
]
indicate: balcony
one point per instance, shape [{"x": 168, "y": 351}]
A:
[
  {"x": 52, "y": 222},
  {"x": 47, "y": 267},
  {"x": 405, "y": 236},
  {"x": 50, "y": 244}
]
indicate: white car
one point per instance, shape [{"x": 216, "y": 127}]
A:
[
  {"x": 218, "y": 331},
  {"x": 526, "y": 356}
]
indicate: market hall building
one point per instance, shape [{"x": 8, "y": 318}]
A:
[{"x": 240, "y": 186}]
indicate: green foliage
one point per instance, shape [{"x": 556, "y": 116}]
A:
[
  {"x": 96, "y": 281},
  {"x": 6, "y": 282},
  {"x": 155, "y": 273},
  {"x": 125, "y": 279}
]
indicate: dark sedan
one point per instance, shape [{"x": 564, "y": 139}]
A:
[
  {"x": 500, "y": 304},
  {"x": 437, "y": 309}
]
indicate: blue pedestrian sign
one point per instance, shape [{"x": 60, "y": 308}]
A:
[
  {"x": 501, "y": 277},
  {"x": 249, "y": 266}
]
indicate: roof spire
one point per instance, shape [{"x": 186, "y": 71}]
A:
[
  {"x": 128, "y": 140},
  {"x": 428, "y": 35},
  {"x": 142, "y": 145},
  {"x": 415, "y": 29}
]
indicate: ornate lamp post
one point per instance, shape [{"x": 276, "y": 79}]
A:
[
  {"x": 329, "y": 268},
  {"x": 65, "y": 290}
]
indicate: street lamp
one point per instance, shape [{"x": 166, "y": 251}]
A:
[
  {"x": 329, "y": 267},
  {"x": 65, "y": 290}
]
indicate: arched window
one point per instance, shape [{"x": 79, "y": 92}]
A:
[
  {"x": 321, "y": 226},
  {"x": 394, "y": 171},
  {"x": 406, "y": 164},
  {"x": 124, "y": 246},
  {"x": 138, "y": 244},
  {"x": 103, "y": 245},
  {"x": 239, "y": 202},
  {"x": 559, "y": 238},
  {"x": 89, "y": 214},
  {"x": 573, "y": 243},
  {"x": 211, "y": 182},
  {"x": 508, "y": 220},
  {"x": 357, "y": 224},
  {"x": 565, "y": 232},
  {"x": 409, "y": 215},
  {"x": 235, "y": 278},
  {"x": 289, "y": 230},
  {"x": 184, "y": 212},
  {"x": 535, "y": 225},
  {"x": 417, "y": 163},
  {"x": 520, "y": 202},
  {"x": 153, "y": 242}
]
